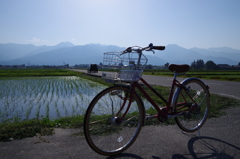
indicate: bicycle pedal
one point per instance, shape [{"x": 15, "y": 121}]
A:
[
  {"x": 148, "y": 116},
  {"x": 164, "y": 110}
]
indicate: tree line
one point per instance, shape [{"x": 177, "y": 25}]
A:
[
  {"x": 196, "y": 65},
  {"x": 201, "y": 65},
  {"x": 209, "y": 65}
]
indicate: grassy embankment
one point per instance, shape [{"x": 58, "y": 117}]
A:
[{"x": 29, "y": 128}]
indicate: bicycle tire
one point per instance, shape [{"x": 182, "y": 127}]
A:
[
  {"x": 103, "y": 133},
  {"x": 193, "y": 118}
]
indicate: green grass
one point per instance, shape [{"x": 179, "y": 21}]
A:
[
  {"x": 44, "y": 126},
  {"x": 225, "y": 75},
  {"x": 20, "y": 130},
  {"x": 35, "y": 72}
]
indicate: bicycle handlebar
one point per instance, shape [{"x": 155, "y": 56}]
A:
[
  {"x": 158, "y": 47},
  {"x": 148, "y": 48}
]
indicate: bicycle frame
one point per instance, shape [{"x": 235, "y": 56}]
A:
[{"x": 163, "y": 111}]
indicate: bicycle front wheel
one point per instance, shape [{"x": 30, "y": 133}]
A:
[
  {"x": 194, "y": 103},
  {"x": 106, "y": 129}
]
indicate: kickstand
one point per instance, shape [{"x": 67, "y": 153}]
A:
[{"x": 199, "y": 134}]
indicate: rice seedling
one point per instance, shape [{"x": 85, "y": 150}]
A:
[
  {"x": 47, "y": 110},
  {"x": 28, "y": 111},
  {"x": 53, "y": 97},
  {"x": 38, "y": 111}
]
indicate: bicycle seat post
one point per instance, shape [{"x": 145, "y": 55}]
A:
[{"x": 175, "y": 75}]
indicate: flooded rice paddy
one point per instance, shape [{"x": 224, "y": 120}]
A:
[{"x": 24, "y": 98}]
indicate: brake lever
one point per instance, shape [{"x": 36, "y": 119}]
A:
[
  {"x": 128, "y": 50},
  {"x": 150, "y": 50}
]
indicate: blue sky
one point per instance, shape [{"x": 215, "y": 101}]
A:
[{"x": 188, "y": 23}]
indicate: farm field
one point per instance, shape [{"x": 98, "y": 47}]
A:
[
  {"x": 225, "y": 75},
  {"x": 23, "y": 98},
  {"x": 36, "y": 100},
  {"x": 35, "y": 72}
]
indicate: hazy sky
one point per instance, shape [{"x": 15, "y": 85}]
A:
[{"x": 188, "y": 23}]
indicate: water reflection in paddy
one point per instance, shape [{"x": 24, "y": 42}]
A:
[{"x": 54, "y": 97}]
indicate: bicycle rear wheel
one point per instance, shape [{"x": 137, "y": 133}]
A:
[
  {"x": 105, "y": 130},
  {"x": 194, "y": 102}
]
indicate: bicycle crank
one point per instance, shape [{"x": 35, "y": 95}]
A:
[{"x": 116, "y": 121}]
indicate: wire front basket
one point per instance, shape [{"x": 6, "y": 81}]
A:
[{"x": 127, "y": 67}]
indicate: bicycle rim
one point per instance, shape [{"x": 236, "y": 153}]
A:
[
  {"x": 102, "y": 127},
  {"x": 195, "y": 105}
]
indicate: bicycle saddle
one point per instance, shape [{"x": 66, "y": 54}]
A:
[{"x": 179, "y": 68}]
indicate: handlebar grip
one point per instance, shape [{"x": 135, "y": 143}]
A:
[{"x": 158, "y": 47}]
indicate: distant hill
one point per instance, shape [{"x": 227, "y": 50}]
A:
[
  {"x": 221, "y": 55},
  {"x": 45, "y": 48},
  {"x": 179, "y": 55},
  {"x": 59, "y": 54},
  {"x": 12, "y": 51},
  {"x": 65, "y": 52}
]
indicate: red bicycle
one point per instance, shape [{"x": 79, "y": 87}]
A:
[{"x": 115, "y": 116}]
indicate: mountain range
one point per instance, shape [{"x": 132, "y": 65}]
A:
[{"x": 67, "y": 53}]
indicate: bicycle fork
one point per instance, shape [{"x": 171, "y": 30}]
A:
[{"x": 118, "y": 120}]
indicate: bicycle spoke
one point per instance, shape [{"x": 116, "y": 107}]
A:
[
  {"x": 104, "y": 130},
  {"x": 198, "y": 98}
]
